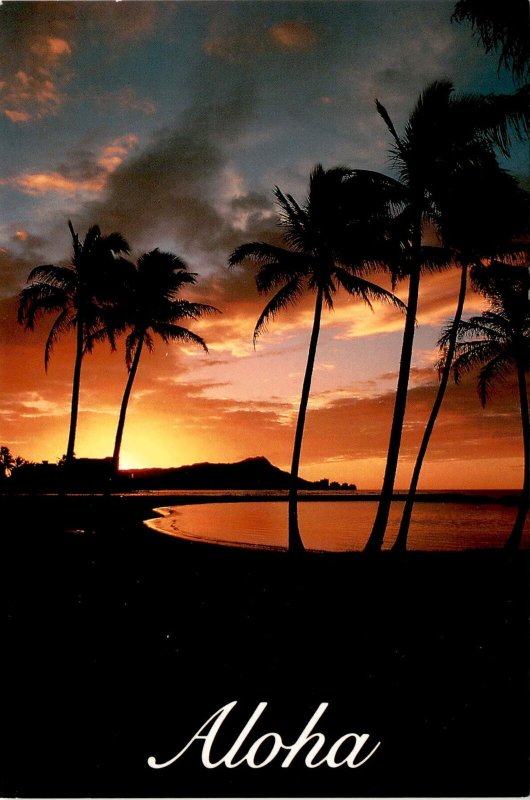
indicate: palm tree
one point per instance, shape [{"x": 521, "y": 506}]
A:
[
  {"x": 7, "y": 461},
  {"x": 330, "y": 244},
  {"x": 498, "y": 341},
  {"x": 152, "y": 305},
  {"x": 501, "y": 27},
  {"x": 484, "y": 211},
  {"x": 445, "y": 138},
  {"x": 79, "y": 293}
]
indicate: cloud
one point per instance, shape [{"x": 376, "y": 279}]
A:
[
  {"x": 293, "y": 35},
  {"x": 34, "y": 89},
  {"x": 14, "y": 269},
  {"x": 125, "y": 100},
  {"x": 176, "y": 416},
  {"x": 39, "y": 41},
  {"x": 16, "y": 116},
  {"x": 130, "y": 22},
  {"x": 35, "y": 405},
  {"x": 238, "y": 39},
  {"x": 44, "y": 182},
  {"x": 182, "y": 186},
  {"x": 86, "y": 172},
  {"x": 234, "y": 46},
  {"x": 113, "y": 154}
]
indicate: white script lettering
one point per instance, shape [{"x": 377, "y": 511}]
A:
[{"x": 208, "y": 732}]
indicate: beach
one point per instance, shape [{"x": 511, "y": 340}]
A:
[{"x": 128, "y": 640}]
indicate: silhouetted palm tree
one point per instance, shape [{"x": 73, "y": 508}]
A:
[
  {"x": 498, "y": 341},
  {"x": 484, "y": 211},
  {"x": 444, "y": 136},
  {"x": 501, "y": 27},
  {"x": 79, "y": 292},
  {"x": 152, "y": 306},
  {"x": 330, "y": 244},
  {"x": 7, "y": 461}
]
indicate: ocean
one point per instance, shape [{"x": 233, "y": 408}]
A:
[{"x": 340, "y": 526}]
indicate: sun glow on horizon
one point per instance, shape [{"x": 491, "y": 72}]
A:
[{"x": 129, "y": 462}]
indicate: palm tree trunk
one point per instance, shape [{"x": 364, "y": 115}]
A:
[
  {"x": 514, "y": 540},
  {"x": 377, "y": 535},
  {"x": 401, "y": 541},
  {"x": 76, "y": 383},
  {"x": 124, "y": 404},
  {"x": 295, "y": 541}
]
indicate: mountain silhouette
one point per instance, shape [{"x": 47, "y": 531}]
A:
[
  {"x": 97, "y": 474},
  {"x": 251, "y": 473}
]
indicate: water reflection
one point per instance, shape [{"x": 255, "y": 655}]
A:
[{"x": 340, "y": 526}]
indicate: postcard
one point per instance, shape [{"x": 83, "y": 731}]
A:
[{"x": 264, "y": 420}]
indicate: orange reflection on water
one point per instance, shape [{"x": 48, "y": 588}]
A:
[{"x": 340, "y": 526}]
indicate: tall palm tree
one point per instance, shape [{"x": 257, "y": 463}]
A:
[
  {"x": 78, "y": 292},
  {"x": 484, "y": 211},
  {"x": 501, "y": 27},
  {"x": 498, "y": 341},
  {"x": 330, "y": 245},
  {"x": 152, "y": 306},
  {"x": 444, "y": 138}
]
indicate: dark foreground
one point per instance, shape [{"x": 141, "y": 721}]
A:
[{"x": 121, "y": 642}]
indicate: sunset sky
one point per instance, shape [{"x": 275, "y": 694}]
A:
[{"x": 172, "y": 123}]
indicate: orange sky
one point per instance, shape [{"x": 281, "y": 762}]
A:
[{"x": 237, "y": 402}]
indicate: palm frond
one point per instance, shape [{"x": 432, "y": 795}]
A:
[
  {"x": 381, "y": 110},
  {"x": 184, "y": 309},
  {"x": 131, "y": 343},
  {"x": 494, "y": 119},
  {"x": 148, "y": 341},
  {"x": 161, "y": 260},
  {"x": 293, "y": 219},
  {"x": 59, "y": 277},
  {"x": 490, "y": 324},
  {"x": 105, "y": 327},
  {"x": 91, "y": 237},
  {"x": 493, "y": 371},
  {"x": 471, "y": 354},
  {"x": 486, "y": 325},
  {"x": 328, "y": 290},
  {"x": 368, "y": 291},
  {"x": 498, "y": 280},
  {"x": 375, "y": 193},
  {"x": 63, "y": 323},
  {"x": 287, "y": 295},
  {"x": 436, "y": 259},
  {"x": 483, "y": 210},
  {"x": 259, "y": 252},
  {"x": 38, "y": 299},
  {"x": 75, "y": 240},
  {"x": 169, "y": 332},
  {"x": 116, "y": 242},
  {"x": 269, "y": 255},
  {"x": 501, "y": 28}
]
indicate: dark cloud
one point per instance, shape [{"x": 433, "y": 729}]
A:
[
  {"x": 235, "y": 40},
  {"x": 171, "y": 188},
  {"x": 125, "y": 99},
  {"x": 14, "y": 269},
  {"x": 82, "y": 165},
  {"x": 38, "y": 42}
]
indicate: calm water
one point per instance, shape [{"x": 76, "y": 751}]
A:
[{"x": 339, "y": 526}]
